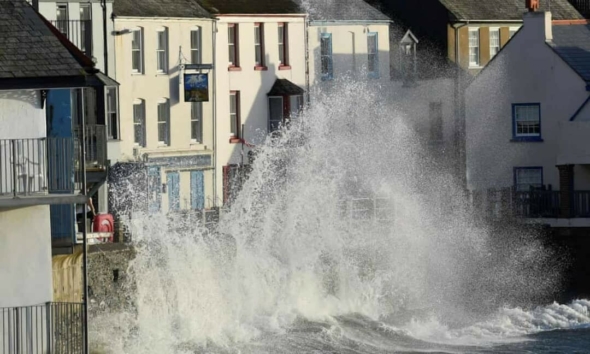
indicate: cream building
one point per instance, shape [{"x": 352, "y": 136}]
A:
[
  {"x": 260, "y": 81},
  {"x": 156, "y": 44}
]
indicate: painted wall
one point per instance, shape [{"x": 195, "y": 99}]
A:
[
  {"x": 49, "y": 10},
  {"x": 349, "y": 49},
  {"x": 527, "y": 70},
  {"x": 253, "y": 85},
  {"x": 152, "y": 87},
  {"x": 25, "y": 257},
  {"x": 21, "y": 115}
]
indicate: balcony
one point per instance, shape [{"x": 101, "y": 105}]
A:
[
  {"x": 40, "y": 329},
  {"x": 536, "y": 204},
  {"x": 79, "y": 32}
]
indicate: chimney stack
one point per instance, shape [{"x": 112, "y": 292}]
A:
[{"x": 532, "y": 5}]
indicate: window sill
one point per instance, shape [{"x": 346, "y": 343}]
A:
[
  {"x": 285, "y": 67},
  {"x": 194, "y": 142},
  {"x": 161, "y": 73},
  {"x": 260, "y": 68},
  {"x": 135, "y": 73},
  {"x": 115, "y": 140},
  {"x": 475, "y": 67},
  {"x": 162, "y": 145},
  {"x": 526, "y": 139},
  {"x": 235, "y": 140},
  {"x": 234, "y": 68}
]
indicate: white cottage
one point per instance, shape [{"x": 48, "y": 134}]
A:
[{"x": 528, "y": 122}]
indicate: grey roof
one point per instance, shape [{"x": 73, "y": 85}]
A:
[
  {"x": 250, "y": 7},
  {"x": 572, "y": 44},
  {"x": 284, "y": 87},
  {"x": 506, "y": 9},
  {"x": 28, "y": 48},
  {"x": 342, "y": 10},
  {"x": 160, "y": 8}
]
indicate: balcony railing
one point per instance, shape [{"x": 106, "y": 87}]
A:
[
  {"x": 582, "y": 204},
  {"x": 79, "y": 32},
  {"x": 537, "y": 204},
  {"x": 40, "y": 329},
  {"x": 96, "y": 145}
]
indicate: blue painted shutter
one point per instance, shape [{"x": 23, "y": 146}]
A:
[
  {"x": 197, "y": 190},
  {"x": 173, "y": 181},
  {"x": 154, "y": 185},
  {"x": 331, "y": 61}
]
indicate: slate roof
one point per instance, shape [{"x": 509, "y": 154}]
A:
[
  {"x": 160, "y": 8},
  {"x": 342, "y": 10},
  {"x": 284, "y": 87},
  {"x": 506, "y": 9},
  {"x": 28, "y": 48},
  {"x": 249, "y": 7},
  {"x": 572, "y": 44}
]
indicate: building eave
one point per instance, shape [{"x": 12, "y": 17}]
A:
[{"x": 348, "y": 22}]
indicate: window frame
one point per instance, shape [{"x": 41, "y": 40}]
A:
[
  {"x": 375, "y": 73},
  {"x": 140, "y": 70},
  {"x": 329, "y": 74},
  {"x": 473, "y": 64},
  {"x": 141, "y": 103},
  {"x": 526, "y": 137},
  {"x": 198, "y": 49},
  {"x": 512, "y": 31},
  {"x": 259, "y": 47},
  {"x": 199, "y": 121},
  {"x": 284, "y": 42},
  {"x": 235, "y": 65},
  {"x": 166, "y": 103},
  {"x": 64, "y": 23},
  {"x": 270, "y": 120},
  {"x": 164, "y": 68},
  {"x": 520, "y": 168},
  {"x": 235, "y": 116},
  {"x": 112, "y": 134},
  {"x": 499, "y": 46}
]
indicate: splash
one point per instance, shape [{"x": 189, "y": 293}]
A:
[{"x": 293, "y": 249}]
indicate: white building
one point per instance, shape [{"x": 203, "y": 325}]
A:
[
  {"x": 528, "y": 121},
  {"x": 156, "y": 44},
  {"x": 260, "y": 79},
  {"x": 347, "y": 39}
]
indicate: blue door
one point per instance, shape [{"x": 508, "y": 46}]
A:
[
  {"x": 173, "y": 182},
  {"x": 197, "y": 190},
  {"x": 154, "y": 189}
]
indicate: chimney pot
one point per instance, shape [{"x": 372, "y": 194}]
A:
[{"x": 532, "y": 5}]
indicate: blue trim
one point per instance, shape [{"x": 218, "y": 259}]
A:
[
  {"x": 538, "y": 138},
  {"x": 173, "y": 187},
  {"x": 374, "y": 74},
  {"x": 515, "y": 169},
  {"x": 330, "y": 74},
  {"x": 580, "y": 109}
]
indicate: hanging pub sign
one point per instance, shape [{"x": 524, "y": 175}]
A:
[{"x": 196, "y": 88}]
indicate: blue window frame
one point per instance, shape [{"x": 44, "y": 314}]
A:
[
  {"x": 373, "y": 55},
  {"x": 526, "y": 178},
  {"x": 173, "y": 182},
  {"x": 327, "y": 62},
  {"x": 526, "y": 122},
  {"x": 197, "y": 190}
]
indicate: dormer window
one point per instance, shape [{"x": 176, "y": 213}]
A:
[{"x": 408, "y": 64}]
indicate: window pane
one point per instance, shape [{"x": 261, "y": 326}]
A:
[
  {"x": 282, "y": 44},
  {"x": 527, "y": 178},
  {"x": 296, "y": 103},
  {"x": 138, "y": 124},
  {"x": 196, "y": 121},
  {"x": 372, "y": 50},
  {"x": 527, "y": 120},
  {"x": 494, "y": 42},
  {"x": 276, "y": 112},
  {"x": 474, "y": 47},
  {"x": 195, "y": 46},
  {"x": 163, "y": 121},
  {"x": 136, "y": 42},
  {"x": 326, "y": 56},
  {"x": 233, "y": 108}
]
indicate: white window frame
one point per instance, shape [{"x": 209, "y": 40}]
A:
[
  {"x": 512, "y": 31},
  {"x": 517, "y": 108},
  {"x": 233, "y": 46},
  {"x": 498, "y": 45},
  {"x": 196, "y": 51},
  {"x": 165, "y": 104},
  {"x": 270, "y": 117},
  {"x": 373, "y": 57},
  {"x": 528, "y": 174},
  {"x": 282, "y": 44},
  {"x": 112, "y": 134},
  {"x": 197, "y": 118},
  {"x": 138, "y": 50},
  {"x": 259, "y": 44},
  {"x": 475, "y": 48},
  {"x": 235, "y": 115},
  {"x": 63, "y": 24},
  {"x": 141, "y": 124},
  {"x": 162, "y": 51}
]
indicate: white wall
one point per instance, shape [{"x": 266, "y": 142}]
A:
[
  {"x": 527, "y": 70},
  {"x": 151, "y": 87},
  {"x": 21, "y": 115},
  {"x": 349, "y": 49},
  {"x": 25, "y": 257},
  {"x": 253, "y": 85}
]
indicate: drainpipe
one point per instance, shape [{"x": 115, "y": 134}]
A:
[
  {"x": 103, "y": 4},
  {"x": 84, "y": 233},
  {"x": 214, "y": 113},
  {"x": 458, "y": 104},
  {"x": 306, "y": 25}
]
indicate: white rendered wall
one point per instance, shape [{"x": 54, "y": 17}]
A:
[
  {"x": 21, "y": 115},
  {"x": 25, "y": 257}
]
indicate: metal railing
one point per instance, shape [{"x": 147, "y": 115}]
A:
[
  {"x": 96, "y": 145},
  {"x": 581, "y": 204},
  {"x": 23, "y": 167},
  {"x": 537, "y": 204},
  {"x": 63, "y": 158},
  {"x": 79, "y": 32},
  {"x": 47, "y": 328}
]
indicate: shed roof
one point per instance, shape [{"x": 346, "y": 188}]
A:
[
  {"x": 284, "y": 87},
  {"x": 509, "y": 10},
  {"x": 572, "y": 44}
]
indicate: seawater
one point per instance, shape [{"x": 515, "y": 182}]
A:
[{"x": 287, "y": 271}]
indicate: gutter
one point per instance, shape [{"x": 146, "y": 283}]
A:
[{"x": 103, "y": 4}]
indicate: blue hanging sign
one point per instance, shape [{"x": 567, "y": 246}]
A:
[{"x": 196, "y": 88}]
